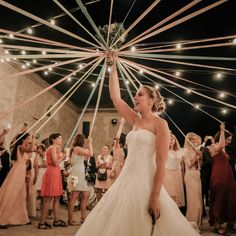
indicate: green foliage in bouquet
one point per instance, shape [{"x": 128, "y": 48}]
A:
[{"x": 116, "y": 30}]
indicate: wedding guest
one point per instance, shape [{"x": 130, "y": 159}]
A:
[
  {"x": 103, "y": 163},
  {"x": 13, "y": 191},
  {"x": 4, "y": 157},
  {"x": 191, "y": 158},
  {"x": 42, "y": 166},
  {"x": 79, "y": 154},
  {"x": 51, "y": 189},
  {"x": 118, "y": 154},
  {"x": 206, "y": 171},
  {"x": 173, "y": 180},
  {"x": 222, "y": 186}
]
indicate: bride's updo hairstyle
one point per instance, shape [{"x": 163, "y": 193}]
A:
[{"x": 159, "y": 104}]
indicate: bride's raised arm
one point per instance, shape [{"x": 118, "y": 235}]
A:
[{"x": 114, "y": 87}]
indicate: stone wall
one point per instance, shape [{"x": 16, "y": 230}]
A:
[
  {"x": 104, "y": 131},
  {"x": 15, "y": 90}
]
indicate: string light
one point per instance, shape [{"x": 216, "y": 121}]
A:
[
  {"x": 80, "y": 66},
  {"x": 8, "y": 59},
  {"x": 45, "y": 73},
  {"x": 177, "y": 73},
  {"x": 157, "y": 86},
  {"x": 234, "y": 41},
  {"x": 23, "y": 66},
  {"x": 109, "y": 69},
  {"x": 69, "y": 79},
  {"x": 133, "y": 49},
  {"x": 30, "y": 31},
  {"x": 188, "y": 91},
  {"x": 34, "y": 61},
  {"x": 44, "y": 52},
  {"x": 27, "y": 64},
  {"x": 52, "y": 21},
  {"x": 23, "y": 52},
  {"x": 50, "y": 68},
  {"x": 6, "y": 51},
  {"x": 11, "y": 36},
  {"x": 170, "y": 102},
  {"x": 218, "y": 75},
  {"x": 178, "y": 46},
  {"x": 197, "y": 106},
  {"x": 14, "y": 58},
  {"x": 222, "y": 95},
  {"x": 141, "y": 72},
  {"x": 1, "y": 41},
  {"x": 2, "y": 60},
  {"x": 127, "y": 81},
  {"x": 93, "y": 84},
  {"x": 74, "y": 74},
  {"x": 224, "y": 111}
]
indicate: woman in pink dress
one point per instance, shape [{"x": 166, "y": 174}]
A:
[
  {"x": 191, "y": 159},
  {"x": 13, "y": 191},
  {"x": 173, "y": 180},
  {"x": 118, "y": 154},
  {"x": 104, "y": 163},
  {"x": 52, "y": 183}
]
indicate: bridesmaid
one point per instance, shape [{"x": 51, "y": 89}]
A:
[
  {"x": 173, "y": 180},
  {"x": 118, "y": 154},
  {"x": 13, "y": 191},
  {"x": 222, "y": 185},
  {"x": 52, "y": 183},
  {"x": 191, "y": 159}
]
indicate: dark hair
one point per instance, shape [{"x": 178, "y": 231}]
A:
[
  {"x": 159, "y": 104},
  {"x": 79, "y": 140},
  {"x": 46, "y": 142},
  {"x": 17, "y": 144},
  {"x": 28, "y": 165},
  {"x": 122, "y": 139},
  {"x": 41, "y": 145},
  {"x": 53, "y": 137},
  {"x": 217, "y": 135}
]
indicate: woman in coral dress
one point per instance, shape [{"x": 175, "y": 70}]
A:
[
  {"x": 13, "y": 191},
  {"x": 222, "y": 185},
  {"x": 52, "y": 183}
]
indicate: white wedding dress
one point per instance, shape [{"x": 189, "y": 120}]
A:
[{"x": 123, "y": 210}]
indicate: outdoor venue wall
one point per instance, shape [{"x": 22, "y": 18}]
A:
[
  {"x": 104, "y": 131},
  {"x": 15, "y": 90}
]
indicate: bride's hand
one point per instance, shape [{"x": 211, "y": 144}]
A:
[{"x": 154, "y": 205}]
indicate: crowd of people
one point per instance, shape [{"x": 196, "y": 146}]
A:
[
  {"x": 197, "y": 176},
  {"x": 33, "y": 174}
]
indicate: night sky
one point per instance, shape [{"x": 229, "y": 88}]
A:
[{"x": 217, "y": 22}]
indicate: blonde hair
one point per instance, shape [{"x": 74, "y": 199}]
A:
[
  {"x": 187, "y": 142},
  {"x": 176, "y": 144},
  {"x": 159, "y": 104}
]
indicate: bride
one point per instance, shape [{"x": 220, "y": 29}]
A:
[{"x": 124, "y": 208}]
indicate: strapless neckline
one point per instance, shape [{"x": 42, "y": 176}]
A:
[{"x": 145, "y": 130}]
